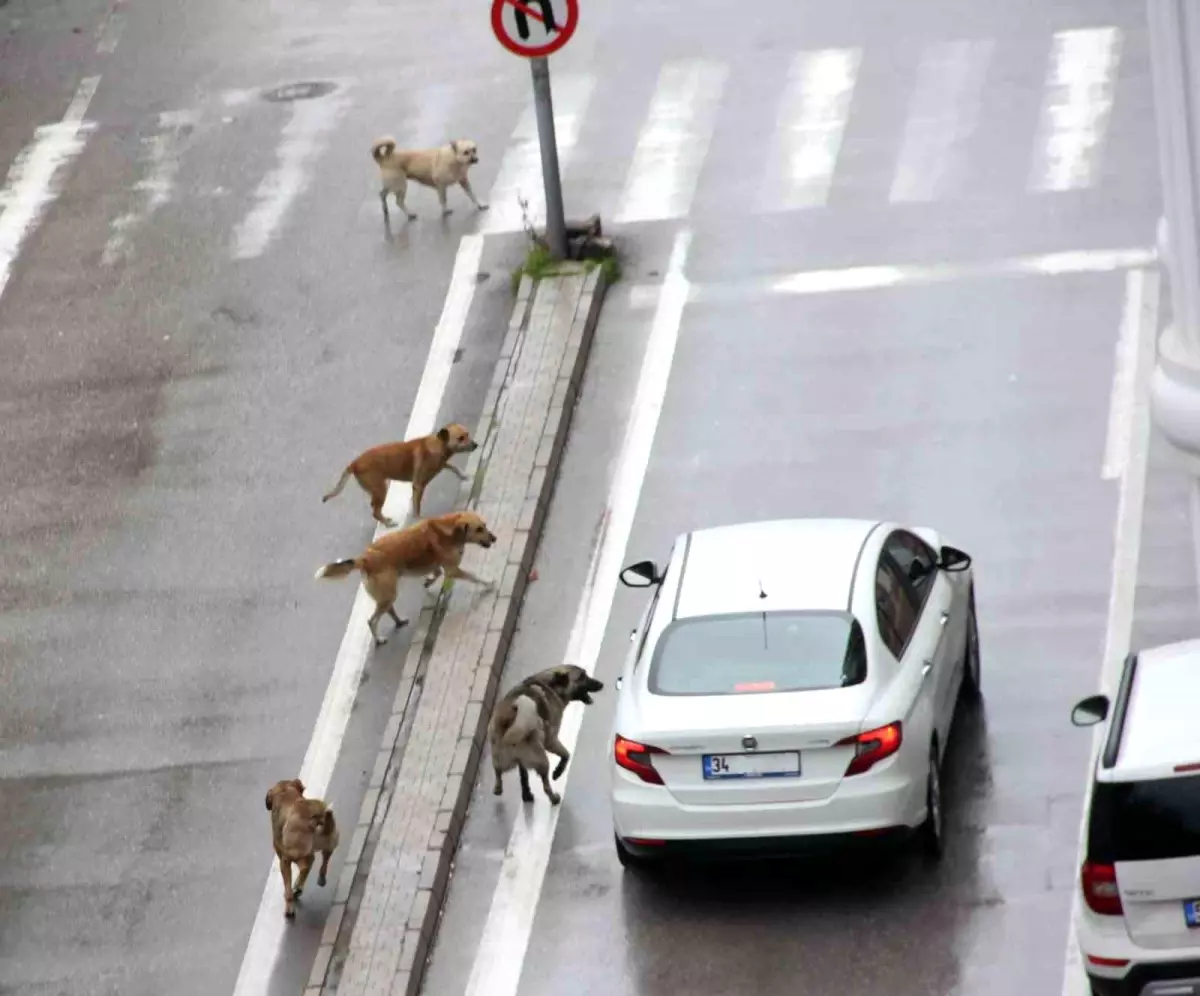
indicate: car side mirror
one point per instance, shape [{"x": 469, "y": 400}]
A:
[
  {"x": 953, "y": 559},
  {"x": 1090, "y": 711},
  {"x": 643, "y": 574}
]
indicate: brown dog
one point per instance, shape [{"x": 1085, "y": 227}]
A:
[
  {"x": 435, "y": 545},
  {"x": 300, "y": 828},
  {"x": 439, "y": 168},
  {"x": 417, "y": 461}
]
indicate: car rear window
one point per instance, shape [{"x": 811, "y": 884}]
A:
[
  {"x": 1151, "y": 820},
  {"x": 744, "y": 653}
]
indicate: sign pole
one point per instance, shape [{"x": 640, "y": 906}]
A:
[{"x": 543, "y": 103}]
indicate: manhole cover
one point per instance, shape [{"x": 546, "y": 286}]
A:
[{"x": 299, "y": 91}]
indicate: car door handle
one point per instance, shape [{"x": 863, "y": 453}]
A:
[
  {"x": 926, "y": 668},
  {"x": 619, "y": 682},
  {"x": 945, "y": 618}
]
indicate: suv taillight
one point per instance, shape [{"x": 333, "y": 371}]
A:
[
  {"x": 872, "y": 747},
  {"x": 635, "y": 757},
  {"x": 1099, "y": 883}
]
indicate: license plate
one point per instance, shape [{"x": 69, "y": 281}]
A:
[
  {"x": 782, "y": 764},
  {"x": 1191, "y": 912}
]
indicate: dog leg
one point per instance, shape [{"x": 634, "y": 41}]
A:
[
  {"x": 555, "y": 747},
  {"x": 377, "y": 499},
  {"x": 433, "y": 577},
  {"x": 466, "y": 185},
  {"x": 418, "y": 492},
  {"x": 459, "y": 573},
  {"x": 400, "y": 190},
  {"x": 289, "y": 898},
  {"x": 543, "y": 770},
  {"x": 441, "y": 192},
  {"x": 454, "y": 470},
  {"x": 387, "y": 217},
  {"x": 400, "y": 623},
  {"x": 305, "y": 867},
  {"x": 373, "y": 626},
  {"x": 526, "y": 791},
  {"x": 324, "y": 869},
  {"x": 498, "y": 789}
]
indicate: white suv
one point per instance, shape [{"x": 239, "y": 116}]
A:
[{"x": 1139, "y": 922}]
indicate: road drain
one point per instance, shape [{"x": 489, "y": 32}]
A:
[{"x": 299, "y": 91}]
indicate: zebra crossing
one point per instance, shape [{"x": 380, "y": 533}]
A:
[{"x": 654, "y": 166}]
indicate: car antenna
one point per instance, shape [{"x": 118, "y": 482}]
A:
[{"x": 762, "y": 594}]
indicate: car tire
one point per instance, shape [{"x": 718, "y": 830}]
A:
[
  {"x": 630, "y": 862},
  {"x": 972, "y": 680},
  {"x": 933, "y": 830}
]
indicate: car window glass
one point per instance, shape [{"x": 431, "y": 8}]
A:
[
  {"x": 916, "y": 561},
  {"x": 1153, "y": 820},
  {"x": 897, "y": 615}
]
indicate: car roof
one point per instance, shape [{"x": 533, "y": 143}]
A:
[
  {"x": 1160, "y": 729},
  {"x": 800, "y": 564}
]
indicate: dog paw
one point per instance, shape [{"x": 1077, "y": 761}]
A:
[
  {"x": 297, "y": 893},
  {"x": 390, "y": 523},
  {"x": 321, "y": 880},
  {"x": 498, "y": 790},
  {"x": 290, "y": 914},
  {"x": 447, "y": 211},
  {"x": 483, "y": 207},
  {"x": 555, "y": 798},
  {"x": 527, "y": 797},
  {"x": 411, "y": 217},
  {"x": 380, "y": 643}
]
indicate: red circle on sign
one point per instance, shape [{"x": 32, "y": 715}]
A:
[{"x": 522, "y": 48}]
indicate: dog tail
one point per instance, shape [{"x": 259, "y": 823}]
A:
[
  {"x": 382, "y": 148},
  {"x": 328, "y": 823},
  {"x": 524, "y": 722},
  {"x": 339, "y": 569},
  {"x": 337, "y": 488}
]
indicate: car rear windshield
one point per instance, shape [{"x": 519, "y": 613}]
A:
[
  {"x": 751, "y": 652},
  {"x": 1145, "y": 821}
]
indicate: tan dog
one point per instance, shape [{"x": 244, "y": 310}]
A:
[
  {"x": 435, "y": 545},
  {"x": 417, "y": 461},
  {"x": 439, "y": 168},
  {"x": 525, "y": 725},
  {"x": 300, "y": 828}
]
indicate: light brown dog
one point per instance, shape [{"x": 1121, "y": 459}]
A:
[
  {"x": 417, "y": 461},
  {"x": 439, "y": 168},
  {"x": 300, "y": 829},
  {"x": 435, "y": 545}
]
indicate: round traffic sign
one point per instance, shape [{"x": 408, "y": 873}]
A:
[{"x": 534, "y": 28}]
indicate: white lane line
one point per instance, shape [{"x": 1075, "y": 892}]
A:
[
  {"x": 108, "y": 34},
  {"x": 266, "y": 937},
  {"x": 942, "y": 115},
  {"x": 673, "y": 142},
  {"x": 1142, "y": 299},
  {"x": 1123, "y": 400},
  {"x": 30, "y": 185},
  {"x": 520, "y": 173},
  {"x": 1075, "y": 109},
  {"x": 162, "y": 152},
  {"x": 301, "y": 142},
  {"x": 866, "y": 278},
  {"x": 501, "y": 954},
  {"x": 809, "y": 128}
]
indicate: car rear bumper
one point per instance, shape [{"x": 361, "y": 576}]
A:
[
  {"x": 733, "y": 848},
  {"x": 1181, "y": 978},
  {"x": 857, "y": 809}
]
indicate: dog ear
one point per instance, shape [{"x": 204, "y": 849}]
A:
[
  {"x": 560, "y": 678},
  {"x": 444, "y": 435},
  {"x": 270, "y": 798},
  {"x": 299, "y": 785},
  {"x": 461, "y": 530}
]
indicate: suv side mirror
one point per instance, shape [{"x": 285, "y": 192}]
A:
[
  {"x": 643, "y": 574},
  {"x": 953, "y": 559},
  {"x": 1090, "y": 711}
]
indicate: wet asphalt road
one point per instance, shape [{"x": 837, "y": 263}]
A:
[
  {"x": 171, "y": 417},
  {"x": 979, "y": 404}
]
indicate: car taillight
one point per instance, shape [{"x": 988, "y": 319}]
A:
[
  {"x": 872, "y": 747},
  {"x": 635, "y": 757},
  {"x": 1100, "y": 890}
]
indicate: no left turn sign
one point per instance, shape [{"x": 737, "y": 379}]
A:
[{"x": 534, "y": 28}]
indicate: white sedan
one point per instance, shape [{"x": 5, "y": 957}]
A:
[{"x": 791, "y": 685}]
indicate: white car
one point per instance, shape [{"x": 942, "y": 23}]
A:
[
  {"x": 791, "y": 685},
  {"x": 1139, "y": 923}
]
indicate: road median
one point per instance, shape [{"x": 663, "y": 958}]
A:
[{"x": 401, "y": 852}]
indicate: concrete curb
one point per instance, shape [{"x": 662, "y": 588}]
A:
[{"x": 400, "y": 854}]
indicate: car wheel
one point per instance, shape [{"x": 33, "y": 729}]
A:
[
  {"x": 933, "y": 830},
  {"x": 630, "y": 862},
  {"x": 972, "y": 681}
]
